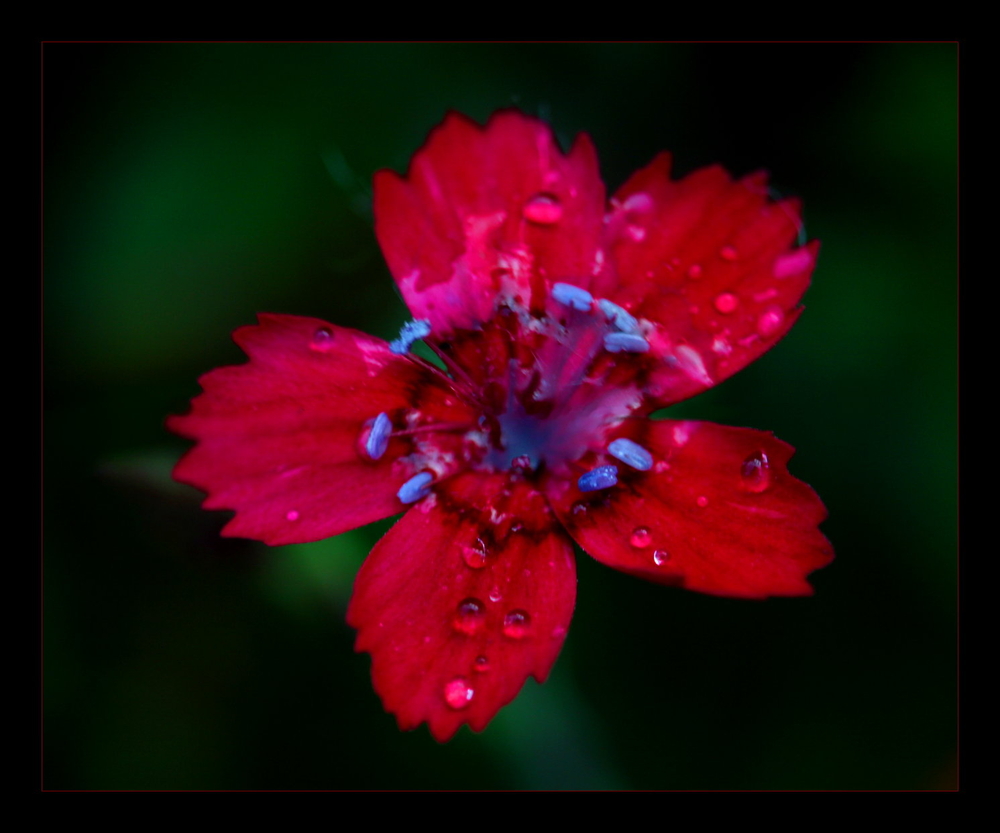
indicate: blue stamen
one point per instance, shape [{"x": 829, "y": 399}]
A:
[
  {"x": 619, "y": 318},
  {"x": 415, "y": 488},
  {"x": 603, "y": 477},
  {"x": 410, "y": 332},
  {"x": 625, "y": 343},
  {"x": 572, "y": 296},
  {"x": 631, "y": 454},
  {"x": 378, "y": 436}
]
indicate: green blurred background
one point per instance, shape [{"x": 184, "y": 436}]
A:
[{"x": 188, "y": 187}]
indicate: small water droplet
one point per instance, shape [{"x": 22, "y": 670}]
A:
[
  {"x": 694, "y": 271},
  {"x": 322, "y": 340},
  {"x": 579, "y": 509},
  {"x": 516, "y": 624},
  {"x": 728, "y": 253},
  {"x": 544, "y": 209},
  {"x": 660, "y": 557},
  {"x": 755, "y": 473},
  {"x": 495, "y": 594},
  {"x": 661, "y": 467},
  {"x": 517, "y": 526},
  {"x": 702, "y": 501},
  {"x": 475, "y": 555},
  {"x": 640, "y": 537},
  {"x": 470, "y": 616},
  {"x": 770, "y": 320},
  {"x": 458, "y": 693},
  {"x": 292, "y": 515},
  {"x": 481, "y": 664},
  {"x": 726, "y": 302}
]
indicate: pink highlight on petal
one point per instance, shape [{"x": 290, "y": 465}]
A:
[{"x": 793, "y": 263}]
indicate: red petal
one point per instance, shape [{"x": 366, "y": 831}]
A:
[
  {"x": 718, "y": 513},
  {"x": 278, "y": 437},
  {"x": 488, "y": 210},
  {"x": 453, "y": 600},
  {"x": 709, "y": 259}
]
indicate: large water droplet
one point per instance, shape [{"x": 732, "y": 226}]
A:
[
  {"x": 770, "y": 320},
  {"x": 544, "y": 209},
  {"x": 470, "y": 616},
  {"x": 755, "y": 473},
  {"x": 640, "y": 537},
  {"x": 475, "y": 555},
  {"x": 660, "y": 557},
  {"x": 322, "y": 340},
  {"x": 516, "y": 624},
  {"x": 726, "y": 302},
  {"x": 458, "y": 693}
]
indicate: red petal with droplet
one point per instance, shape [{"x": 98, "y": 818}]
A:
[
  {"x": 278, "y": 437},
  {"x": 709, "y": 259},
  {"x": 438, "y": 628},
  {"x": 488, "y": 210},
  {"x": 718, "y": 513}
]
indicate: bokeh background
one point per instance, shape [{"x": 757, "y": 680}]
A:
[{"x": 189, "y": 186}]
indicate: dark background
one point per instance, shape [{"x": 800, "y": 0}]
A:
[{"x": 188, "y": 187}]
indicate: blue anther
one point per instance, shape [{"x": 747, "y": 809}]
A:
[
  {"x": 619, "y": 318},
  {"x": 572, "y": 296},
  {"x": 631, "y": 454},
  {"x": 378, "y": 436},
  {"x": 415, "y": 488},
  {"x": 603, "y": 477},
  {"x": 410, "y": 332},
  {"x": 625, "y": 343}
]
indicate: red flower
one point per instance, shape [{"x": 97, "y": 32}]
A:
[{"x": 563, "y": 323}]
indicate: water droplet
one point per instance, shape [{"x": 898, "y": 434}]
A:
[
  {"x": 579, "y": 508},
  {"x": 726, "y": 302},
  {"x": 636, "y": 233},
  {"x": 292, "y": 515},
  {"x": 517, "y": 526},
  {"x": 640, "y": 537},
  {"x": 770, "y": 320},
  {"x": 702, "y": 501},
  {"x": 495, "y": 595},
  {"x": 470, "y": 616},
  {"x": 516, "y": 624},
  {"x": 544, "y": 209},
  {"x": 481, "y": 664},
  {"x": 475, "y": 555},
  {"x": 458, "y": 693},
  {"x": 660, "y": 557},
  {"x": 728, "y": 253},
  {"x": 694, "y": 271},
  {"x": 322, "y": 340},
  {"x": 755, "y": 473}
]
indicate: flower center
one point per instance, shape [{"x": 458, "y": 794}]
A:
[{"x": 559, "y": 404}]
